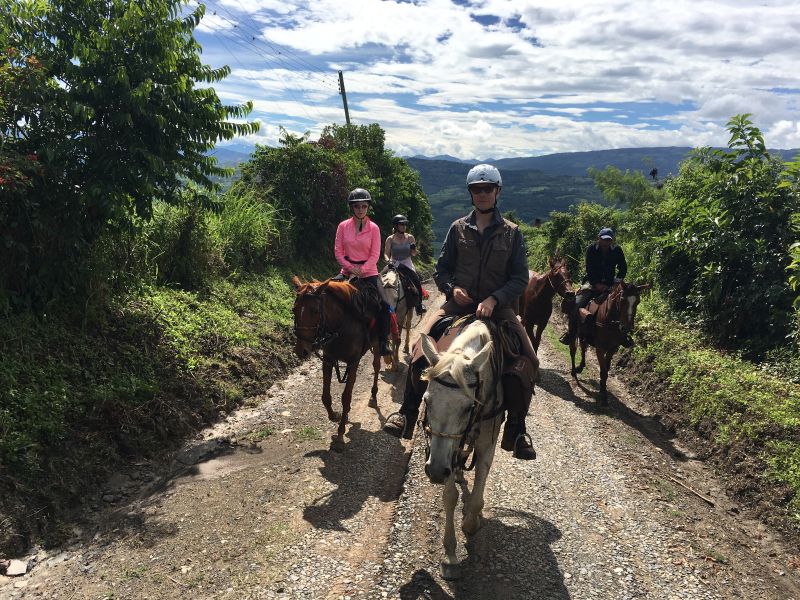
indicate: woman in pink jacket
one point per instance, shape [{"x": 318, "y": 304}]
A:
[{"x": 357, "y": 248}]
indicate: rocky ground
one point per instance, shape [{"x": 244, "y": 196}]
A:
[{"x": 260, "y": 506}]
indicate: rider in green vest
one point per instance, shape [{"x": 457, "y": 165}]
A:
[{"x": 482, "y": 270}]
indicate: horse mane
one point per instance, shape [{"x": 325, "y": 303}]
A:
[
  {"x": 343, "y": 290},
  {"x": 452, "y": 361}
]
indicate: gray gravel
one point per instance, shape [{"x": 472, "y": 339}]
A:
[
  {"x": 596, "y": 516},
  {"x": 599, "y": 515}
]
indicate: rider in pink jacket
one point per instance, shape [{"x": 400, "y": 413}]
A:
[{"x": 357, "y": 248}]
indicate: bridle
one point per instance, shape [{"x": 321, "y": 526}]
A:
[
  {"x": 320, "y": 337},
  {"x": 475, "y": 417},
  {"x": 562, "y": 293}
]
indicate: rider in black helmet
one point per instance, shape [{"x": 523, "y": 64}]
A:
[{"x": 398, "y": 250}]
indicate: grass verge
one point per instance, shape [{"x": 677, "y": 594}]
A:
[
  {"x": 79, "y": 400},
  {"x": 748, "y": 419}
]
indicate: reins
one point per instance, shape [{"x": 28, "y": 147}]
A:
[
  {"x": 322, "y": 337},
  {"x": 476, "y": 416}
]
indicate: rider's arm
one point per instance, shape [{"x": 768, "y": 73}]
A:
[
  {"x": 446, "y": 265},
  {"x": 374, "y": 248},
  {"x": 622, "y": 265},
  {"x": 413, "y": 244},
  {"x": 517, "y": 273},
  {"x": 338, "y": 248},
  {"x": 387, "y": 249}
]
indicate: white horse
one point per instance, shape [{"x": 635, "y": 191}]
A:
[
  {"x": 396, "y": 297},
  {"x": 463, "y": 409}
]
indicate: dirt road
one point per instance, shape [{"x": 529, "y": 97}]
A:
[{"x": 260, "y": 507}]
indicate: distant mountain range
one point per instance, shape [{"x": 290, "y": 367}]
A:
[{"x": 533, "y": 186}]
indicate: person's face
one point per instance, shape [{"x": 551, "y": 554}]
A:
[
  {"x": 401, "y": 227},
  {"x": 484, "y": 195},
  {"x": 605, "y": 243},
  {"x": 360, "y": 209}
]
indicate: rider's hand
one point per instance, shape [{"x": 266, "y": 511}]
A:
[
  {"x": 356, "y": 270},
  {"x": 461, "y": 297},
  {"x": 486, "y": 308}
]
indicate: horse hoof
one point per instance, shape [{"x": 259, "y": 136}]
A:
[
  {"x": 337, "y": 445},
  {"x": 373, "y": 402},
  {"x": 334, "y": 417},
  {"x": 450, "y": 572}
]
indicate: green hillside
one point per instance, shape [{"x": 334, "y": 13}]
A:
[{"x": 528, "y": 193}]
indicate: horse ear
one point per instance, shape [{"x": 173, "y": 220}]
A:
[
  {"x": 482, "y": 357},
  {"x": 296, "y": 282},
  {"x": 429, "y": 349},
  {"x": 552, "y": 261}
]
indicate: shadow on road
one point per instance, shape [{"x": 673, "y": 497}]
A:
[
  {"x": 555, "y": 382},
  {"x": 509, "y": 558},
  {"x": 372, "y": 465}
]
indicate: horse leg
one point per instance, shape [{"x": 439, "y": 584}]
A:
[
  {"x": 529, "y": 331},
  {"x": 484, "y": 451},
  {"x": 376, "y": 367},
  {"x": 408, "y": 331},
  {"x": 583, "y": 357},
  {"x": 327, "y": 401},
  {"x": 347, "y": 397},
  {"x": 572, "y": 349},
  {"x": 450, "y": 568},
  {"x": 602, "y": 361},
  {"x": 538, "y": 340}
]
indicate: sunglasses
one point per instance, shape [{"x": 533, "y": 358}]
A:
[
  {"x": 482, "y": 189},
  {"x": 360, "y": 206}
]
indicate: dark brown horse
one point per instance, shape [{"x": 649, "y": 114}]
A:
[
  {"x": 613, "y": 322},
  {"x": 326, "y": 319},
  {"x": 537, "y": 303}
]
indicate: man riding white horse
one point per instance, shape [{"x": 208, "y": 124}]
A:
[{"x": 482, "y": 270}]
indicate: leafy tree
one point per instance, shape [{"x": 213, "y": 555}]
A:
[
  {"x": 310, "y": 181},
  {"x": 626, "y": 190},
  {"x": 725, "y": 259},
  {"x": 110, "y": 100}
]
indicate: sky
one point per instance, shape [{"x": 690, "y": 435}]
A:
[{"x": 498, "y": 78}]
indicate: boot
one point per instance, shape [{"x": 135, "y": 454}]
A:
[
  {"x": 400, "y": 425},
  {"x": 421, "y": 310},
  {"x": 566, "y": 338},
  {"x": 385, "y": 350},
  {"x": 627, "y": 340},
  {"x": 518, "y": 442}
]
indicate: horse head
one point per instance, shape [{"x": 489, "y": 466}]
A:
[
  {"x": 560, "y": 278},
  {"x": 458, "y": 382},
  {"x": 626, "y": 297},
  {"x": 391, "y": 285},
  {"x": 309, "y": 317}
]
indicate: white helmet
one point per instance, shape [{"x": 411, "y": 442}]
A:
[{"x": 484, "y": 174}]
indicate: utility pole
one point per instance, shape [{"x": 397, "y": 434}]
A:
[{"x": 344, "y": 97}]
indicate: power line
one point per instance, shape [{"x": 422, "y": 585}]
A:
[
  {"x": 281, "y": 55},
  {"x": 242, "y": 41}
]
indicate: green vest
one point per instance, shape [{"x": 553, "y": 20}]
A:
[{"x": 482, "y": 268}]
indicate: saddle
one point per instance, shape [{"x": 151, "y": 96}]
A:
[
  {"x": 587, "y": 314},
  {"x": 518, "y": 374}
]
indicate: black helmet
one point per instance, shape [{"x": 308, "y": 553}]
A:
[
  {"x": 399, "y": 220},
  {"x": 359, "y": 195}
]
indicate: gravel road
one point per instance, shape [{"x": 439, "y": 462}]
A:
[{"x": 260, "y": 506}]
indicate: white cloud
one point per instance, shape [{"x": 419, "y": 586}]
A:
[{"x": 534, "y": 82}]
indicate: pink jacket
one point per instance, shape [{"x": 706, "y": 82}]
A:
[{"x": 357, "y": 246}]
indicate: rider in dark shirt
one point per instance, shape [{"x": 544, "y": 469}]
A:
[
  {"x": 482, "y": 270},
  {"x": 605, "y": 264}
]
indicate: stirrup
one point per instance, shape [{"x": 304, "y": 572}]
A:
[
  {"x": 523, "y": 436},
  {"x": 393, "y": 430}
]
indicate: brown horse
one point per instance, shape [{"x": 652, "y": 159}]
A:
[
  {"x": 326, "y": 319},
  {"x": 537, "y": 303},
  {"x": 613, "y": 322}
]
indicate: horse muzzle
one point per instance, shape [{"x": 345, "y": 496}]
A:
[
  {"x": 437, "y": 475},
  {"x": 303, "y": 349}
]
